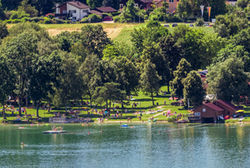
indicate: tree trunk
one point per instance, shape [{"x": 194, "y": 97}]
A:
[
  {"x": 37, "y": 110},
  {"x": 49, "y": 108},
  {"x": 4, "y": 116},
  {"x": 90, "y": 101},
  {"x": 152, "y": 96},
  {"x": 19, "y": 107},
  {"x": 106, "y": 104}
]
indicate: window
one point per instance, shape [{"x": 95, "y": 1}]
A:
[{"x": 204, "y": 110}]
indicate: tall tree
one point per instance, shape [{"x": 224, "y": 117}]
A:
[
  {"x": 94, "y": 38},
  {"x": 44, "y": 72},
  {"x": 228, "y": 80},
  {"x": 90, "y": 71},
  {"x": 7, "y": 84},
  {"x": 180, "y": 74},
  {"x": 109, "y": 92},
  {"x": 150, "y": 80},
  {"x": 193, "y": 90}
]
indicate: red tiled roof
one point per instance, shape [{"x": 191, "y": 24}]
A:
[
  {"x": 213, "y": 107},
  {"x": 96, "y": 12},
  {"x": 106, "y": 9},
  {"x": 229, "y": 106},
  {"x": 78, "y": 5}
]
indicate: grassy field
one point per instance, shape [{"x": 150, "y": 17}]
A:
[{"x": 116, "y": 31}]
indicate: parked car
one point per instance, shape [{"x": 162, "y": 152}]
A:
[
  {"x": 174, "y": 25},
  {"x": 107, "y": 18}
]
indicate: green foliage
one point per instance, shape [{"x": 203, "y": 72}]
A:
[
  {"x": 230, "y": 24},
  {"x": 129, "y": 13},
  {"x": 109, "y": 92},
  {"x": 242, "y": 3},
  {"x": 2, "y": 14},
  {"x": 199, "y": 22},
  {"x": 92, "y": 18},
  {"x": 193, "y": 90},
  {"x": 27, "y": 8},
  {"x": 158, "y": 14},
  {"x": 180, "y": 74},
  {"x": 228, "y": 80},
  {"x": 3, "y": 30},
  {"x": 94, "y": 38},
  {"x": 191, "y": 8},
  {"x": 150, "y": 80}
]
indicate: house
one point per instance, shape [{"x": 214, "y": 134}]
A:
[
  {"x": 142, "y": 4},
  {"x": 229, "y": 109},
  {"x": 231, "y": 2},
  {"x": 106, "y": 9},
  {"x": 73, "y": 10},
  {"x": 207, "y": 113},
  {"x": 172, "y": 4},
  {"x": 213, "y": 112}
]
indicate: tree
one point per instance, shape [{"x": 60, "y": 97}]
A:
[
  {"x": 7, "y": 82},
  {"x": 152, "y": 52},
  {"x": 44, "y": 72},
  {"x": 20, "y": 53},
  {"x": 129, "y": 13},
  {"x": 25, "y": 6},
  {"x": 180, "y": 74},
  {"x": 230, "y": 24},
  {"x": 71, "y": 85},
  {"x": 90, "y": 71},
  {"x": 110, "y": 92},
  {"x": 2, "y": 14},
  {"x": 232, "y": 50},
  {"x": 193, "y": 90},
  {"x": 3, "y": 30},
  {"x": 228, "y": 80},
  {"x": 150, "y": 80},
  {"x": 126, "y": 74},
  {"x": 242, "y": 3},
  {"x": 94, "y": 38}
]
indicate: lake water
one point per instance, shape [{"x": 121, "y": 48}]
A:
[{"x": 141, "y": 146}]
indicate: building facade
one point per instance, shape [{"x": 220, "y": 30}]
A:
[{"x": 73, "y": 10}]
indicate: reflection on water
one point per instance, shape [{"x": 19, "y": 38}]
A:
[{"x": 142, "y": 146}]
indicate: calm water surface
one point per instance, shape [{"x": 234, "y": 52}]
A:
[{"x": 143, "y": 146}]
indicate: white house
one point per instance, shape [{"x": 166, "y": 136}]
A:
[{"x": 74, "y": 10}]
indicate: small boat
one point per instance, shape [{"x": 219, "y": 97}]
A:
[
  {"x": 54, "y": 132},
  {"x": 124, "y": 125}
]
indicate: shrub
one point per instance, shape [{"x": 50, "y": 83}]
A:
[
  {"x": 59, "y": 21},
  {"x": 174, "y": 18},
  {"x": 172, "y": 118},
  {"x": 199, "y": 22},
  {"x": 47, "y": 20},
  {"x": 93, "y": 18}
]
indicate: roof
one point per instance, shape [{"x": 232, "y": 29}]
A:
[
  {"x": 213, "y": 107},
  {"x": 96, "y": 12},
  {"x": 106, "y": 9},
  {"x": 226, "y": 105},
  {"x": 78, "y": 4}
]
